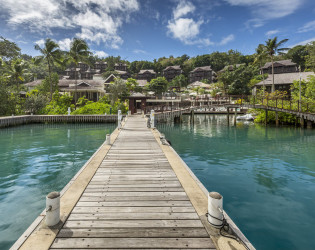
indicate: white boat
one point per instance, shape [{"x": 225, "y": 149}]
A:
[{"x": 247, "y": 117}]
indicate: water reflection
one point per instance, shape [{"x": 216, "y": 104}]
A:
[
  {"x": 266, "y": 175},
  {"x": 35, "y": 160}
]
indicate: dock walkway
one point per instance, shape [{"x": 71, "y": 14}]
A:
[{"x": 134, "y": 200}]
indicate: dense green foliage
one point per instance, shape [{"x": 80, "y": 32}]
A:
[
  {"x": 17, "y": 68},
  {"x": 158, "y": 85}
]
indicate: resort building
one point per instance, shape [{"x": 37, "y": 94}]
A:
[
  {"x": 171, "y": 72},
  {"x": 282, "y": 82},
  {"x": 146, "y": 74},
  {"x": 84, "y": 71},
  {"x": 123, "y": 74},
  {"x": 201, "y": 73},
  {"x": 280, "y": 67},
  {"x": 102, "y": 66},
  {"x": 91, "y": 89},
  {"x": 120, "y": 67}
]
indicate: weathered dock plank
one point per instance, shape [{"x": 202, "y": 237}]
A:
[
  {"x": 134, "y": 200},
  {"x": 129, "y": 243}
]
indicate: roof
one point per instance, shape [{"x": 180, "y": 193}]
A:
[
  {"x": 121, "y": 72},
  {"x": 73, "y": 69},
  {"x": 137, "y": 94},
  {"x": 147, "y": 70},
  {"x": 279, "y": 63},
  {"x": 110, "y": 78},
  {"x": 231, "y": 67},
  {"x": 33, "y": 83},
  {"x": 142, "y": 83},
  {"x": 176, "y": 67},
  {"x": 65, "y": 83},
  {"x": 198, "y": 84},
  {"x": 205, "y": 68},
  {"x": 285, "y": 78}
]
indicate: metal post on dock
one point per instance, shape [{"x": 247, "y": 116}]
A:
[
  {"x": 119, "y": 119},
  {"x": 69, "y": 110},
  {"x": 52, "y": 209},
  {"x": 152, "y": 119},
  {"x": 215, "y": 209},
  {"x": 107, "y": 142},
  {"x": 235, "y": 115}
]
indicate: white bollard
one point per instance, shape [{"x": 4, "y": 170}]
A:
[
  {"x": 119, "y": 119},
  {"x": 129, "y": 113},
  {"x": 215, "y": 209},
  {"x": 52, "y": 209},
  {"x": 152, "y": 118},
  {"x": 105, "y": 113},
  {"x": 142, "y": 114},
  {"x": 107, "y": 142},
  {"x": 12, "y": 114},
  {"x": 31, "y": 113},
  {"x": 69, "y": 110}
]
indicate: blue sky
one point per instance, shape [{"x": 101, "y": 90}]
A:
[{"x": 148, "y": 29}]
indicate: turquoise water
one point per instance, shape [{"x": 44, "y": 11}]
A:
[
  {"x": 265, "y": 174},
  {"x": 35, "y": 160}
]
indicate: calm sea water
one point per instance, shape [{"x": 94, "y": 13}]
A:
[
  {"x": 265, "y": 174},
  {"x": 35, "y": 160}
]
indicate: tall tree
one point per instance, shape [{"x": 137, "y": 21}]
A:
[
  {"x": 8, "y": 50},
  {"x": 260, "y": 57},
  {"x": 272, "y": 47},
  {"x": 117, "y": 90},
  {"x": 51, "y": 54},
  {"x": 79, "y": 52},
  {"x": 16, "y": 71}
]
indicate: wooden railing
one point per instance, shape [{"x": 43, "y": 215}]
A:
[{"x": 285, "y": 104}]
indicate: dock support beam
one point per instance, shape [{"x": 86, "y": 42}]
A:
[
  {"x": 192, "y": 116},
  {"x": 228, "y": 116},
  {"x": 309, "y": 124},
  {"x": 266, "y": 119},
  {"x": 302, "y": 122},
  {"x": 277, "y": 119},
  {"x": 235, "y": 114}
]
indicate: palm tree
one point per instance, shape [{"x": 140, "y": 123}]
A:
[
  {"x": 259, "y": 58},
  {"x": 272, "y": 48},
  {"x": 79, "y": 52},
  {"x": 16, "y": 71},
  {"x": 52, "y": 54}
]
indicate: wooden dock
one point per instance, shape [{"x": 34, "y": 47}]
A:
[{"x": 134, "y": 200}]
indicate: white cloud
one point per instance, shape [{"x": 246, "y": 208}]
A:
[
  {"x": 303, "y": 42},
  {"x": 271, "y": 33},
  {"x": 183, "y": 8},
  {"x": 139, "y": 51},
  {"x": 100, "y": 18},
  {"x": 186, "y": 29},
  {"x": 64, "y": 44},
  {"x": 310, "y": 26},
  {"x": 100, "y": 53},
  {"x": 40, "y": 42},
  {"x": 227, "y": 39},
  {"x": 264, "y": 10}
]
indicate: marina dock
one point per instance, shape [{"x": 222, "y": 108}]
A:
[{"x": 134, "y": 193}]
